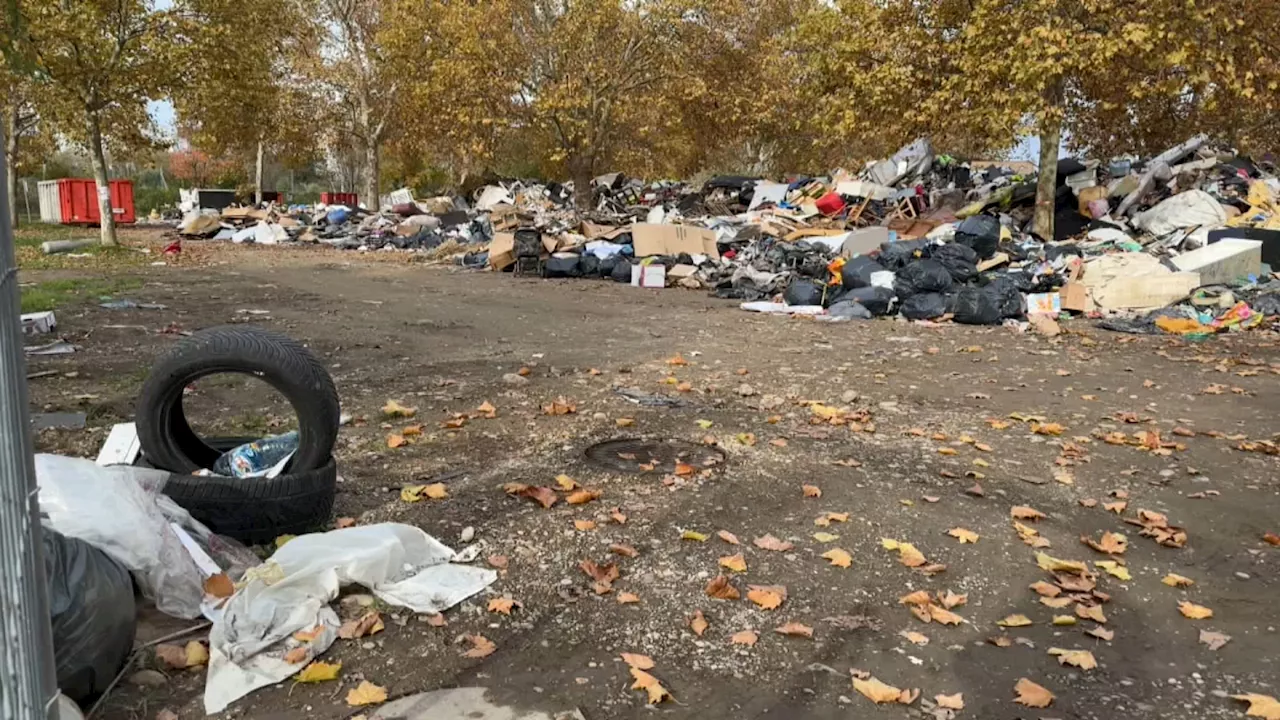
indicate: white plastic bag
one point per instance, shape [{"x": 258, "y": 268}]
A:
[{"x": 117, "y": 509}]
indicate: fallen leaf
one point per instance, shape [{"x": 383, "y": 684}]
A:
[
  {"x": 412, "y": 430},
  {"x": 454, "y": 423},
  {"x": 1015, "y": 621},
  {"x": 498, "y": 562},
  {"x": 1056, "y": 603},
  {"x": 684, "y": 387},
  {"x": 480, "y": 646},
  {"x": 1101, "y": 633},
  {"x": 748, "y": 439},
  {"x": 744, "y": 637},
  {"x": 1045, "y": 589},
  {"x": 544, "y": 496},
  {"x": 1001, "y": 641},
  {"x": 795, "y": 629},
  {"x": 915, "y": 637},
  {"x": 946, "y": 451},
  {"x": 811, "y": 491},
  {"x": 368, "y": 624},
  {"x": 736, "y": 563},
  {"x": 1110, "y": 543},
  {"x": 963, "y": 535},
  {"x": 1117, "y": 507},
  {"x": 693, "y": 535},
  {"x": 437, "y": 620},
  {"x": 395, "y": 409},
  {"x": 1023, "y": 512},
  {"x": 618, "y": 516},
  {"x": 684, "y": 469},
  {"x": 919, "y": 597},
  {"x": 394, "y": 441},
  {"x": 219, "y": 586},
  {"x": 879, "y": 692},
  {"x": 1047, "y": 428},
  {"x": 624, "y": 422},
  {"x": 952, "y": 600},
  {"x": 768, "y": 597},
  {"x": 769, "y": 542},
  {"x": 560, "y": 406},
  {"x": 584, "y": 525},
  {"x": 566, "y": 483},
  {"x": 623, "y": 550},
  {"x": 677, "y": 360},
  {"x": 1052, "y": 564},
  {"x": 838, "y": 557},
  {"x": 640, "y": 662},
  {"x": 781, "y": 443},
  {"x": 698, "y": 623},
  {"x": 415, "y": 493},
  {"x": 728, "y": 537},
  {"x": 825, "y": 537},
  {"x": 1214, "y": 640},
  {"x": 582, "y": 496},
  {"x": 1271, "y": 539},
  {"x": 1115, "y": 569},
  {"x": 720, "y": 589},
  {"x": 488, "y": 410},
  {"x": 318, "y": 672},
  {"x": 950, "y": 702},
  {"x": 705, "y": 424},
  {"x": 344, "y": 522},
  {"x": 1091, "y": 612},
  {"x": 1263, "y": 706},
  {"x": 1193, "y": 611},
  {"x": 366, "y": 693},
  {"x": 1031, "y": 694},
  {"x": 1176, "y": 580},
  {"x": 944, "y": 616},
  {"x": 504, "y": 605},
  {"x": 1082, "y": 659}
]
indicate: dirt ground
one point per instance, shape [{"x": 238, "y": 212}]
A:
[{"x": 923, "y": 449}]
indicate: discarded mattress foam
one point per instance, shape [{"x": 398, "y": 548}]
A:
[{"x": 400, "y": 564}]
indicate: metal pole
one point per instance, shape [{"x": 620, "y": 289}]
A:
[{"x": 28, "y": 679}]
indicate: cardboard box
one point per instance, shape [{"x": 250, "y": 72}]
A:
[
  {"x": 1050, "y": 303},
  {"x": 650, "y": 239},
  {"x": 648, "y": 276},
  {"x": 592, "y": 231},
  {"x": 502, "y": 250},
  {"x": 682, "y": 271},
  {"x": 1075, "y": 297}
]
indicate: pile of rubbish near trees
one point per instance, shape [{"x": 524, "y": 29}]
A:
[{"x": 168, "y": 511}]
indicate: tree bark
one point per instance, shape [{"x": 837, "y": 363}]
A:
[
  {"x": 1047, "y": 172},
  {"x": 257, "y": 176},
  {"x": 371, "y": 170},
  {"x": 96, "y": 153},
  {"x": 580, "y": 171},
  {"x": 11, "y": 163}
]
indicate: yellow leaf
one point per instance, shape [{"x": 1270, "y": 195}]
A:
[
  {"x": 319, "y": 672},
  {"x": 1082, "y": 659},
  {"x": 963, "y": 535},
  {"x": 366, "y": 693},
  {"x": 878, "y": 692},
  {"x": 946, "y": 451},
  {"x": 566, "y": 483},
  {"x": 395, "y": 409},
  {"x": 838, "y": 557},
  {"x": 1263, "y": 706},
  {"x": 1193, "y": 611},
  {"x": 1063, "y": 620},
  {"x": 693, "y": 535},
  {"x": 1015, "y": 621},
  {"x": 736, "y": 563},
  {"x": 1176, "y": 580},
  {"x": 1114, "y": 568},
  {"x": 1052, "y": 564},
  {"x": 825, "y": 537},
  {"x": 645, "y": 681},
  {"x": 638, "y": 661},
  {"x": 1031, "y": 694},
  {"x": 767, "y": 597}
]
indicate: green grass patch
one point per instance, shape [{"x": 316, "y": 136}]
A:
[
  {"x": 35, "y": 233},
  {"x": 53, "y": 294}
]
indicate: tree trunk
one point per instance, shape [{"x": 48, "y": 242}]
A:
[
  {"x": 257, "y": 177},
  {"x": 11, "y": 163},
  {"x": 580, "y": 171},
  {"x": 1047, "y": 180},
  {"x": 371, "y": 177},
  {"x": 108, "y": 218}
]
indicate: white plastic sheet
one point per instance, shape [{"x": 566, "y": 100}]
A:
[
  {"x": 773, "y": 308},
  {"x": 1190, "y": 209},
  {"x": 400, "y": 564}
]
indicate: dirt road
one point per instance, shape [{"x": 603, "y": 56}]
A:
[{"x": 916, "y": 435}]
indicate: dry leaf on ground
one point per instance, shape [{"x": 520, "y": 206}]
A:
[
  {"x": 1101, "y": 633},
  {"x": 811, "y": 491},
  {"x": 1176, "y": 580},
  {"x": 414, "y": 493},
  {"x": 838, "y": 557},
  {"x": 728, "y": 537},
  {"x": 1213, "y": 639},
  {"x": 368, "y": 624},
  {"x": 1024, "y": 512},
  {"x": 1044, "y": 589},
  {"x": 481, "y": 646},
  {"x": 1082, "y": 659},
  {"x": 1193, "y": 611},
  {"x": 693, "y": 535},
  {"x": 879, "y": 692},
  {"x": 623, "y": 550},
  {"x": 1015, "y": 621},
  {"x": 627, "y": 598},
  {"x": 366, "y": 693},
  {"x": 796, "y": 629},
  {"x": 1110, "y": 543},
  {"x": 544, "y": 496},
  {"x": 825, "y": 537},
  {"x": 721, "y": 589},
  {"x": 504, "y": 605},
  {"x": 579, "y": 497},
  {"x": 1115, "y": 569},
  {"x": 566, "y": 483},
  {"x": 1263, "y": 706},
  {"x": 769, "y": 542},
  {"x": 950, "y": 702},
  {"x": 963, "y": 535},
  {"x": 1091, "y": 612},
  {"x": 919, "y": 597},
  {"x": 736, "y": 563},
  {"x": 952, "y": 600},
  {"x": 1031, "y": 694},
  {"x": 915, "y": 637},
  {"x": 768, "y": 597},
  {"x": 698, "y": 623},
  {"x": 584, "y": 525},
  {"x": 635, "y": 660},
  {"x": 318, "y": 672},
  {"x": 944, "y": 616},
  {"x": 744, "y": 637},
  {"x": 395, "y": 409}
]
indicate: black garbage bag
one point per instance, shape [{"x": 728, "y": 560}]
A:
[
  {"x": 877, "y": 300},
  {"x": 980, "y": 232},
  {"x": 959, "y": 260},
  {"x": 561, "y": 266},
  {"x": 924, "y": 306},
  {"x": 976, "y": 306},
  {"x": 897, "y": 255},
  {"x": 803, "y": 292},
  {"x": 1267, "y": 303},
  {"x": 621, "y": 271},
  {"x": 607, "y": 264},
  {"x": 1006, "y": 297},
  {"x": 1141, "y": 325},
  {"x": 857, "y": 271},
  {"x": 1053, "y": 251},
  {"x": 849, "y": 309},
  {"x": 91, "y": 610},
  {"x": 589, "y": 266},
  {"x": 922, "y": 276}
]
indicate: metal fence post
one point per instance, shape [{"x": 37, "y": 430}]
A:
[{"x": 28, "y": 680}]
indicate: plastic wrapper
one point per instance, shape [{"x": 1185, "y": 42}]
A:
[
  {"x": 922, "y": 276},
  {"x": 261, "y": 458}
]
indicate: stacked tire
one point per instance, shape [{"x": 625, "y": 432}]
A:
[{"x": 252, "y": 510}]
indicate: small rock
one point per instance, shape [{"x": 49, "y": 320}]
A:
[
  {"x": 746, "y": 390},
  {"x": 368, "y": 646},
  {"x": 850, "y": 396},
  {"x": 514, "y": 379},
  {"x": 1220, "y": 693},
  {"x": 889, "y": 405},
  {"x": 844, "y": 700},
  {"x": 599, "y": 416},
  {"x": 467, "y": 535},
  {"x": 1243, "y": 575},
  {"x": 148, "y": 678},
  {"x": 345, "y": 418}
]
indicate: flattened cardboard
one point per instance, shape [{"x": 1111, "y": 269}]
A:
[
  {"x": 651, "y": 239},
  {"x": 502, "y": 250}
]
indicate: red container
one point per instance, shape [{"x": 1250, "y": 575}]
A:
[
  {"x": 79, "y": 201},
  {"x": 830, "y": 204},
  {"x": 340, "y": 198}
]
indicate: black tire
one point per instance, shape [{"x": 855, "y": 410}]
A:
[
  {"x": 258, "y": 510},
  {"x": 167, "y": 438}
]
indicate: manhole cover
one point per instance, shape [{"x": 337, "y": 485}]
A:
[{"x": 636, "y": 455}]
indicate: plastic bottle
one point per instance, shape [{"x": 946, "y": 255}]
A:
[{"x": 258, "y": 457}]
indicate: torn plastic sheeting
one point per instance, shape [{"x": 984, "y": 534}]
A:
[
  {"x": 400, "y": 564},
  {"x": 1193, "y": 208},
  {"x": 865, "y": 189},
  {"x": 603, "y": 249},
  {"x": 494, "y": 195},
  {"x": 773, "y": 308},
  {"x": 768, "y": 192}
]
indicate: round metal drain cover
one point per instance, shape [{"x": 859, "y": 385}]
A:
[{"x": 637, "y": 455}]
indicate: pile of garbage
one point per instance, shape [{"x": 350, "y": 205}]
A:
[{"x": 922, "y": 235}]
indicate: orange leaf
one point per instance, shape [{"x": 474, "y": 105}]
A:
[
  {"x": 640, "y": 662},
  {"x": 624, "y": 550},
  {"x": 582, "y": 496},
  {"x": 627, "y": 598},
  {"x": 480, "y": 647},
  {"x": 812, "y": 491},
  {"x": 504, "y": 605},
  {"x": 1031, "y": 694},
  {"x": 645, "y": 681},
  {"x": 769, "y": 542},
  {"x": 698, "y": 623},
  {"x": 720, "y": 589},
  {"x": 728, "y": 537},
  {"x": 795, "y": 629},
  {"x": 736, "y": 563},
  {"x": 744, "y": 637},
  {"x": 768, "y": 597},
  {"x": 584, "y": 524},
  {"x": 1023, "y": 512},
  {"x": 395, "y": 441}
]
